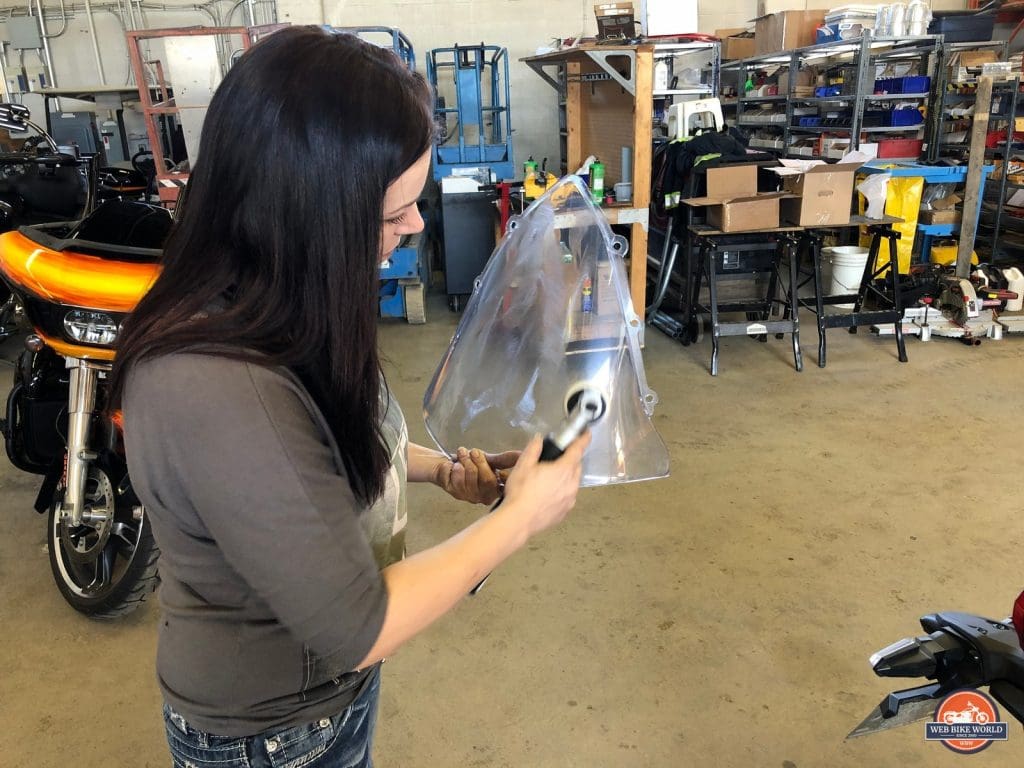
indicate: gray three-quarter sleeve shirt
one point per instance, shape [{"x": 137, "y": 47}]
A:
[{"x": 271, "y": 590}]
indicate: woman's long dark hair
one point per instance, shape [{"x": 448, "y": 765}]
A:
[{"x": 283, "y": 217}]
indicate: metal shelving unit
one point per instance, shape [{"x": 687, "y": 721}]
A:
[
  {"x": 1003, "y": 238},
  {"x": 860, "y": 57},
  {"x": 942, "y": 99}
]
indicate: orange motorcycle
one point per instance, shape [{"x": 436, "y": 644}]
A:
[{"x": 75, "y": 282}]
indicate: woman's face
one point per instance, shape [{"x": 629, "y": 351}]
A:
[{"x": 401, "y": 215}]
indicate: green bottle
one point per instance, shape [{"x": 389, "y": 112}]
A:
[
  {"x": 529, "y": 168},
  {"x": 597, "y": 182}
]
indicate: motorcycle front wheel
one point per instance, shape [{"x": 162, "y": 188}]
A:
[{"x": 107, "y": 566}]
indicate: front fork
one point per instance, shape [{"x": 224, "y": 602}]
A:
[{"x": 83, "y": 383}]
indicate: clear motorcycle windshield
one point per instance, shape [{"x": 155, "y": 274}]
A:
[{"x": 551, "y": 313}]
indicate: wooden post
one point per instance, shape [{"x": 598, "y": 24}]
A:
[
  {"x": 643, "y": 112},
  {"x": 573, "y": 117},
  {"x": 972, "y": 188}
]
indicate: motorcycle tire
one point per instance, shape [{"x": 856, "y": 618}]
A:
[{"x": 107, "y": 570}]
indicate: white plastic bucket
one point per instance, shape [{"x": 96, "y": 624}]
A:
[{"x": 845, "y": 269}]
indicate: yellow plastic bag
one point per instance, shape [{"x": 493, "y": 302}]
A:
[{"x": 903, "y": 200}]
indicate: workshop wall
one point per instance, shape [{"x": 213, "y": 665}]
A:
[
  {"x": 520, "y": 25},
  {"x": 74, "y": 62}
]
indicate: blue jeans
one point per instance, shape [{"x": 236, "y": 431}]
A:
[{"x": 341, "y": 741}]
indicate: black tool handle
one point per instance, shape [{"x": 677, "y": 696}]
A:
[{"x": 549, "y": 452}]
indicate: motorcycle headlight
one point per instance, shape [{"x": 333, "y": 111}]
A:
[{"x": 91, "y": 327}]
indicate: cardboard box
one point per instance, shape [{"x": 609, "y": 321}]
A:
[
  {"x": 731, "y": 181},
  {"x": 746, "y": 214},
  {"x": 950, "y": 216},
  {"x": 802, "y": 79},
  {"x": 765, "y": 7},
  {"x": 786, "y": 30},
  {"x": 960, "y": 61},
  {"x": 615, "y": 20},
  {"x": 941, "y": 211},
  {"x": 824, "y": 195},
  {"x": 737, "y": 43},
  {"x": 613, "y": 9},
  {"x": 732, "y": 201}
]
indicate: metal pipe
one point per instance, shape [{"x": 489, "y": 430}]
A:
[
  {"x": 7, "y": 97},
  {"x": 63, "y": 18},
  {"x": 252, "y": 12},
  {"x": 230, "y": 12},
  {"x": 126, "y": 14},
  {"x": 95, "y": 41},
  {"x": 46, "y": 47},
  {"x": 142, "y": 15},
  {"x": 80, "y": 411}
]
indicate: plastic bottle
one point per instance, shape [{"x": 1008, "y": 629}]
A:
[
  {"x": 661, "y": 76},
  {"x": 597, "y": 181},
  {"x": 529, "y": 168}
]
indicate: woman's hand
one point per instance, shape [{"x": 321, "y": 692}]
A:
[
  {"x": 475, "y": 476},
  {"x": 544, "y": 492}
]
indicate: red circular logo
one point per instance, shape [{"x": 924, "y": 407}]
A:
[{"x": 961, "y": 711}]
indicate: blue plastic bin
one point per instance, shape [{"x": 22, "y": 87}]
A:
[{"x": 912, "y": 84}]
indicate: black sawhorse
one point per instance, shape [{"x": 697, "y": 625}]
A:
[
  {"x": 890, "y": 308},
  {"x": 712, "y": 245}
]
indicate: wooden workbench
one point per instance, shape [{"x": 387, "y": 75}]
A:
[{"x": 608, "y": 91}]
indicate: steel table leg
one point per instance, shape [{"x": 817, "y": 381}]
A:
[
  {"x": 708, "y": 256},
  {"x": 792, "y": 248}
]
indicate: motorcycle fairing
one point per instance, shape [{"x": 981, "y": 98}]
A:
[
  {"x": 550, "y": 313},
  {"x": 71, "y": 278}
]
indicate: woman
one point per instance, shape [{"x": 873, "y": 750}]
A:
[{"x": 260, "y": 434}]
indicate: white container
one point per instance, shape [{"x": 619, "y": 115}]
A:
[
  {"x": 661, "y": 76},
  {"x": 919, "y": 15},
  {"x": 853, "y": 14},
  {"x": 883, "y": 21},
  {"x": 1015, "y": 279},
  {"x": 846, "y": 268},
  {"x": 668, "y": 17},
  {"x": 899, "y": 20}
]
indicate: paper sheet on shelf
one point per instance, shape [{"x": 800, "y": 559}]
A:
[
  {"x": 1017, "y": 198},
  {"x": 856, "y": 156},
  {"x": 792, "y": 167}
]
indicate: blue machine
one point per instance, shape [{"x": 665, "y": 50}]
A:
[
  {"x": 403, "y": 280},
  {"x": 482, "y": 135},
  {"x": 404, "y": 276}
]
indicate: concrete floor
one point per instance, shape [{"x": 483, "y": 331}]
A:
[{"x": 720, "y": 617}]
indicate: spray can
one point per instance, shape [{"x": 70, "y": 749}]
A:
[
  {"x": 529, "y": 168},
  {"x": 587, "y": 302},
  {"x": 597, "y": 181}
]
